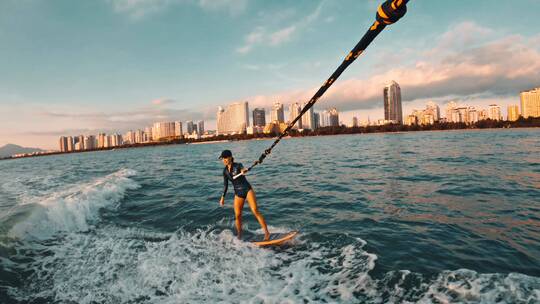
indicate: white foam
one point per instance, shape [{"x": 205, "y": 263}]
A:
[
  {"x": 74, "y": 209},
  {"x": 117, "y": 265},
  {"x": 467, "y": 286}
]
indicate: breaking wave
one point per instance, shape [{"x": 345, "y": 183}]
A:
[{"x": 73, "y": 209}]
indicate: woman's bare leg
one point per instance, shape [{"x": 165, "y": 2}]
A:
[
  {"x": 238, "y": 205},
  {"x": 252, "y": 201}
]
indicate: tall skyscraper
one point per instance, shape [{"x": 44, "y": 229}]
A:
[
  {"x": 259, "y": 117},
  {"x": 451, "y": 112},
  {"x": 472, "y": 115},
  {"x": 308, "y": 119},
  {"x": 433, "y": 109},
  {"x": 80, "y": 141},
  {"x": 129, "y": 137},
  {"x": 317, "y": 120},
  {"x": 513, "y": 112},
  {"x": 70, "y": 144},
  {"x": 139, "y": 136},
  {"x": 200, "y": 126},
  {"x": 148, "y": 134},
  {"x": 89, "y": 142},
  {"x": 325, "y": 118},
  {"x": 333, "y": 117},
  {"x": 294, "y": 110},
  {"x": 494, "y": 112},
  {"x": 530, "y": 103},
  {"x": 102, "y": 138},
  {"x": 355, "y": 121},
  {"x": 189, "y": 126},
  {"x": 115, "y": 140},
  {"x": 108, "y": 141},
  {"x": 234, "y": 119},
  {"x": 392, "y": 102},
  {"x": 63, "y": 144},
  {"x": 178, "y": 129},
  {"x": 277, "y": 113}
]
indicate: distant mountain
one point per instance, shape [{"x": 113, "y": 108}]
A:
[{"x": 11, "y": 149}]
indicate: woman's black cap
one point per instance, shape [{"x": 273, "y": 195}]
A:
[{"x": 225, "y": 154}]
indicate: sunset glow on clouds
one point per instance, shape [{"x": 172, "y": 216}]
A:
[{"x": 498, "y": 67}]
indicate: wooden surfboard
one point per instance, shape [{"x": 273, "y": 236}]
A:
[{"x": 277, "y": 239}]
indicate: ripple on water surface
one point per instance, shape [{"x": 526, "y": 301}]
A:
[{"x": 414, "y": 217}]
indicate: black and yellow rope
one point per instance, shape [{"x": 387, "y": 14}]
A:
[{"x": 389, "y": 12}]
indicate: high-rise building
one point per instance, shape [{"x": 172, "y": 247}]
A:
[
  {"x": 102, "y": 139},
  {"x": 108, "y": 141},
  {"x": 494, "y": 112},
  {"x": 411, "y": 119},
  {"x": 483, "y": 114},
  {"x": 308, "y": 119},
  {"x": 259, "y": 117},
  {"x": 89, "y": 142},
  {"x": 190, "y": 126},
  {"x": 80, "y": 141},
  {"x": 354, "y": 122},
  {"x": 115, "y": 140},
  {"x": 139, "y": 136},
  {"x": 472, "y": 115},
  {"x": 530, "y": 103},
  {"x": 63, "y": 144},
  {"x": 178, "y": 129},
  {"x": 163, "y": 130},
  {"x": 451, "y": 112},
  {"x": 277, "y": 113},
  {"x": 200, "y": 127},
  {"x": 392, "y": 103},
  {"x": 513, "y": 112},
  {"x": 148, "y": 134},
  {"x": 129, "y": 137},
  {"x": 433, "y": 109},
  {"x": 461, "y": 114},
  {"x": 70, "y": 143},
  {"x": 294, "y": 110},
  {"x": 233, "y": 120},
  {"x": 325, "y": 118},
  {"x": 317, "y": 120},
  {"x": 329, "y": 118}
]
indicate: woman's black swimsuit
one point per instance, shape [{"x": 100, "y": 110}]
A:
[{"x": 240, "y": 184}]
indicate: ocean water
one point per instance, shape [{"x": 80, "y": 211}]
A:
[{"x": 427, "y": 217}]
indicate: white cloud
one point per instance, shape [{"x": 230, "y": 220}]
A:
[
  {"x": 162, "y": 101},
  {"x": 233, "y": 6},
  {"x": 485, "y": 66},
  {"x": 137, "y": 9},
  {"x": 262, "y": 36},
  {"x": 283, "y": 35}
]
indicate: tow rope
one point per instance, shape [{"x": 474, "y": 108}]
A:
[{"x": 389, "y": 12}]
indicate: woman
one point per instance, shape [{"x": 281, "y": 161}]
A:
[{"x": 242, "y": 190}]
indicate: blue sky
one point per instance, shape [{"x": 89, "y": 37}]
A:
[{"x": 72, "y": 67}]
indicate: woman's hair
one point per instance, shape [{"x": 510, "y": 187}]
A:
[{"x": 232, "y": 159}]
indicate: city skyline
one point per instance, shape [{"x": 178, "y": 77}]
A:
[
  {"x": 96, "y": 80},
  {"x": 234, "y": 120}
]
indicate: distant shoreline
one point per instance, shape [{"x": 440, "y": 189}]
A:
[{"x": 531, "y": 123}]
